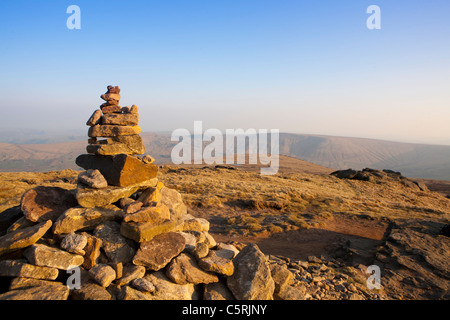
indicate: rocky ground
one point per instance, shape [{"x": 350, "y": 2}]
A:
[{"x": 318, "y": 232}]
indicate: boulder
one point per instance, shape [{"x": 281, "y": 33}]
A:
[
  {"x": 251, "y": 279},
  {"x": 46, "y": 256},
  {"x": 158, "y": 252},
  {"x": 214, "y": 263},
  {"x": 119, "y": 170},
  {"x": 43, "y": 203},
  {"x": 23, "y": 238},
  {"x": 85, "y": 219},
  {"x": 184, "y": 269}
]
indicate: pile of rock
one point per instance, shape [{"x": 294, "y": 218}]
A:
[{"x": 121, "y": 234}]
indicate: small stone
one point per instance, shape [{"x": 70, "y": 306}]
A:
[
  {"x": 133, "y": 207},
  {"x": 226, "y": 251},
  {"x": 110, "y": 96},
  {"x": 148, "y": 159},
  {"x": 214, "y": 263},
  {"x": 128, "y": 293},
  {"x": 195, "y": 224},
  {"x": 121, "y": 119},
  {"x": 191, "y": 241},
  {"x": 93, "y": 178},
  {"x": 92, "y": 250},
  {"x": 112, "y": 130},
  {"x": 95, "y": 118},
  {"x": 23, "y": 283},
  {"x": 116, "y": 247},
  {"x": 158, "y": 252},
  {"x": 217, "y": 291},
  {"x": 142, "y": 284},
  {"x": 112, "y": 89},
  {"x": 281, "y": 277},
  {"x": 45, "y": 256},
  {"x": 155, "y": 214},
  {"x": 43, "y": 203},
  {"x": 107, "y": 109},
  {"x": 103, "y": 274},
  {"x": 150, "y": 196},
  {"x": 134, "y": 109},
  {"x": 146, "y": 231},
  {"x": 184, "y": 269},
  {"x": 118, "y": 268},
  {"x": 126, "y": 109},
  {"x": 74, "y": 243},
  {"x": 168, "y": 290},
  {"x": 124, "y": 202},
  {"x": 91, "y": 291},
  {"x": 130, "y": 273},
  {"x": 46, "y": 292},
  {"x": 201, "y": 250}
]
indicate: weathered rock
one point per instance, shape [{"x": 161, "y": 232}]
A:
[
  {"x": 74, "y": 243},
  {"x": 95, "y": 118},
  {"x": 103, "y": 274},
  {"x": 191, "y": 241},
  {"x": 128, "y": 293},
  {"x": 91, "y": 291},
  {"x": 93, "y": 179},
  {"x": 281, "y": 276},
  {"x": 150, "y": 196},
  {"x": 131, "y": 273},
  {"x": 8, "y": 217},
  {"x": 110, "y": 96},
  {"x": 92, "y": 198},
  {"x": 155, "y": 214},
  {"x": 217, "y": 291},
  {"x": 85, "y": 219},
  {"x": 134, "y": 109},
  {"x": 167, "y": 290},
  {"x": 92, "y": 250},
  {"x": 251, "y": 279},
  {"x": 19, "y": 268},
  {"x": 226, "y": 251},
  {"x": 148, "y": 159},
  {"x": 112, "y": 130},
  {"x": 291, "y": 293},
  {"x": 113, "y": 89},
  {"x": 121, "y": 119},
  {"x": 23, "y": 238},
  {"x": 131, "y": 144},
  {"x": 21, "y": 223},
  {"x": 174, "y": 201},
  {"x": 158, "y": 252},
  {"x": 214, "y": 263},
  {"x": 184, "y": 269},
  {"x": 142, "y": 284},
  {"x": 116, "y": 247},
  {"x": 146, "y": 231},
  {"x": 45, "y": 256},
  {"x": 132, "y": 207},
  {"x": 120, "y": 170},
  {"x": 111, "y": 108},
  {"x": 43, "y": 203},
  {"x": 201, "y": 250},
  {"x": 46, "y": 292},
  {"x": 23, "y": 283},
  {"x": 194, "y": 224}
]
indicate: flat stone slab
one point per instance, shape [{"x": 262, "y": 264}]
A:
[
  {"x": 122, "y": 119},
  {"x": 112, "y": 130},
  {"x": 116, "y": 247},
  {"x": 91, "y": 198},
  {"x": 23, "y": 238},
  {"x": 146, "y": 231},
  {"x": 78, "y": 218},
  {"x": 43, "y": 203},
  {"x": 46, "y": 292},
  {"x": 46, "y": 256},
  {"x": 20, "y": 268},
  {"x": 184, "y": 269},
  {"x": 158, "y": 252}
]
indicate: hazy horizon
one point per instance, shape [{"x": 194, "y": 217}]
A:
[{"x": 300, "y": 67}]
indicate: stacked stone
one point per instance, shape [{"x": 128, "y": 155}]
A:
[
  {"x": 128, "y": 235},
  {"x": 119, "y": 125}
]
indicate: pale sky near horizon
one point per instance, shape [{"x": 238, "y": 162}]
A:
[{"x": 308, "y": 67}]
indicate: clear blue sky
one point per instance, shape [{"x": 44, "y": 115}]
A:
[{"x": 297, "y": 66}]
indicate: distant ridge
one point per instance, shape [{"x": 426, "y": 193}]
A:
[{"x": 412, "y": 160}]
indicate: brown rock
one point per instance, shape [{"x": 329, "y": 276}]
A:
[
  {"x": 150, "y": 196},
  {"x": 95, "y": 118},
  {"x": 184, "y": 269},
  {"x": 158, "y": 252},
  {"x": 128, "y": 293},
  {"x": 84, "y": 219},
  {"x": 131, "y": 273},
  {"x": 214, "y": 263},
  {"x": 110, "y": 96},
  {"x": 217, "y": 291},
  {"x": 142, "y": 284},
  {"x": 93, "y": 179},
  {"x": 93, "y": 198},
  {"x": 91, "y": 291},
  {"x": 121, "y": 119},
  {"x": 46, "y": 292},
  {"x": 112, "y": 89},
  {"x": 16, "y": 268},
  {"x": 148, "y": 159},
  {"x": 74, "y": 243},
  {"x": 113, "y": 130},
  {"x": 111, "y": 108},
  {"x": 45, "y": 256},
  {"x": 167, "y": 290},
  {"x": 23, "y": 283},
  {"x": 134, "y": 109},
  {"x": 116, "y": 247},
  {"x": 133, "y": 207},
  {"x": 114, "y": 148},
  {"x": 155, "y": 214},
  {"x": 43, "y": 203},
  {"x": 103, "y": 274},
  {"x": 23, "y": 238},
  {"x": 174, "y": 201},
  {"x": 120, "y": 170},
  {"x": 92, "y": 250},
  {"x": 146, "y": 231},
  {"x": 281, "y": 277},
  {"x": 251, "y": 279}
]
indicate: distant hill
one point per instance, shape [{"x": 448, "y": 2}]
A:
[{"x": 412, "y": 160}]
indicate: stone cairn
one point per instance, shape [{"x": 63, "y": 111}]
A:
[{"x": 122, "y": 233}]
